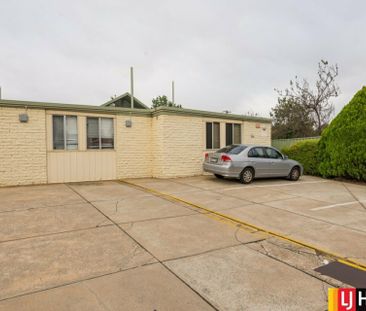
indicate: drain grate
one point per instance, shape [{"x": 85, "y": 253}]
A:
[{"x": 344, "y": 273}]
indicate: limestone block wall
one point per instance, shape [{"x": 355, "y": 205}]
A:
[
  {"x": 134, "y": 147},
  {"x": 23, "y": 157}
]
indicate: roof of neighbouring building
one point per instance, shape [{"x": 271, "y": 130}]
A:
[{"x": 124, "y": 101}]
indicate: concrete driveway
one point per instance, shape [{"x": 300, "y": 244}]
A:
[{"x": 111, "y": 246}]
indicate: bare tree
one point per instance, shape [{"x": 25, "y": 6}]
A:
[{"x": 317, "y": 100}]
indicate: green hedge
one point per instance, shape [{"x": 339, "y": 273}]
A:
[
  {"x": 306, "y": 152},
  {"x": 342, "y": 147}
]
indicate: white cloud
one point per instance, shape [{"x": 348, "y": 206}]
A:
[{"x": 222, "y": 55}]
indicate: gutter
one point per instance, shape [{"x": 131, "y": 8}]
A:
[{"x": 128, "y": 111}]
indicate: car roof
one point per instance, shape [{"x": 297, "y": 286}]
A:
[
  {"x": 261, "y": 146},
  {"x": 251, "y": 146}
]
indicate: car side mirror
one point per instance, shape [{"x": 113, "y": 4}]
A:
[{"x": 285, "y": 157}]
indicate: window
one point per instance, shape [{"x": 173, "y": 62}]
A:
[
  {"x": 212, "y": 135},
  {"x": 273, "y": 154},
  {"x": 100, "y": 133},
  {"x": 233, "y": 149},
  {"x": 257, "y": 153},
  {"x": 233, "y": 134},
  {"x": 65, "y": 132}
]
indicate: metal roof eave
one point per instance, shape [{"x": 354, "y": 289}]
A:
[
  {"x": 208, "y": 114},
  {"x": 129, "y": 111},
  {"x": 73, "y": 107}
]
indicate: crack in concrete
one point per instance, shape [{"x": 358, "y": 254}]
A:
[
  {"x": 281, "y": 209},
  {"x": 291, "y": 249},
  {"x": 100, "y": 302},
  {"x": 157, "y": 218},
  {"x": 354, "y": 196},
  {"x": 268, "y": 254},
  {"x": 200, "y": 253},
  {"x": 249, "y": 242},
  {"x": 76, "y": 281},
  {"x": 55, "y": 233},
  {"x": 145, "y": 249},
  {"x": 40, "y": 207}
]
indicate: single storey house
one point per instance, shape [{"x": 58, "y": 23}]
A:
[{"x": 54, "y": 143}]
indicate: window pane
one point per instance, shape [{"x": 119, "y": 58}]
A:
[
  {"x": 216, "y": 135},
  {"x": 107, "y": 133},
  {"x": 260, "y": 153},
  {"x": 92, "y": 125},
  {"x": 237, "y": 134},
  {"x": 273, "y": 154},
  {"x": 208, "y": 135},
  {"x": 252, "y": 153},
  {"x": 229, "y": 134},
  {"x": 71, "y": 132},
  {"x": 233, "y": 149},
  {"x": 58, "y": 132}
]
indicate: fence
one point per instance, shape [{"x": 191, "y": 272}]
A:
[{"x": 284, "y": 143}]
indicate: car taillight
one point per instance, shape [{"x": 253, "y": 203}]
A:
[{"x": 225, "y": 158}]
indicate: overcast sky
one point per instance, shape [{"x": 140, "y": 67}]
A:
[{"x": 223, "y": 55}]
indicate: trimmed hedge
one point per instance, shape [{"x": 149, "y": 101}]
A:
[
  {"x": 306, "y": 152},
  {"x": 342, "y": 147}
]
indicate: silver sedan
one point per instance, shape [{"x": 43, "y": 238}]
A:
[{"x": 249, "y": 162}]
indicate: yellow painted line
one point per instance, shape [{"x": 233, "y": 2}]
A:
[
  {"x": 351, "y": 263},
  {"x": 338, "y": 257}
]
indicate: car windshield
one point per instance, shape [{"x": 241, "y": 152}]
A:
[{"x": 232, "y": 149}]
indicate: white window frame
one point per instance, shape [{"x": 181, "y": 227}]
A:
[
  {"x": 100, "y": 133},
  {"x": 212, "y": 135},
  {"x": 233, "y": 133},
  {"x": 64, "y": 134}
]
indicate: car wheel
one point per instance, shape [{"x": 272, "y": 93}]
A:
[
  {"x": 247, "y": 175},
  {"x": 219, "y": 176},
  {"x": 294, "y": 174}
]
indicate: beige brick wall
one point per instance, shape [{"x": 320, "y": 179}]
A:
[
  {"x": 257, "y": 133},
  {"x": 134, "y": 147},
  {"x": 178, "y": 146},
  {"x": 179, "y": 142},
  {"x": 157, "y": 146},
  {"x": 160, "y": 146},
  {"x": 22, "y": 147}
]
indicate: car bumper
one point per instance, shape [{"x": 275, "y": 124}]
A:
[{"x": 223, "y": 170}]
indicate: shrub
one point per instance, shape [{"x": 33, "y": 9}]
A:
[
  {"x": 342, "y": 147},
  {"x": 306, "y": 152}
]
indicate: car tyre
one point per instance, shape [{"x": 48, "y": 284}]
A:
[
  {"x": 294, "y": 174},
  {"x": 219, "y": 176},
  {"x": 246, "y": 175}
]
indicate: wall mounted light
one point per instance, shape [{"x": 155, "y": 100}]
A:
[{"x": 23, "y": 117}]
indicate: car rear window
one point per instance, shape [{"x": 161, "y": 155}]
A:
[{"x": 232, "y": 149}]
